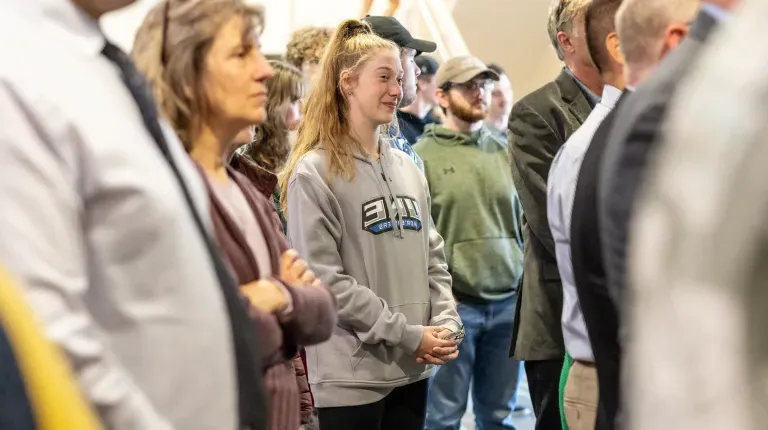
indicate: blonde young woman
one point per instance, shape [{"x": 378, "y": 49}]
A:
[
  {"x": 358, "y": 212},
  {"x": 203, "y": 60},
  {"x": 262, "y": 153}
]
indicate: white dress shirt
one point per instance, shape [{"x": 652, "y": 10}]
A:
[
  {"x": 94, "y": 224},
  {"x": 561, "y": 187}
]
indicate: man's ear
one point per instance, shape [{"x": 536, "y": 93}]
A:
[
  {"x": 564, "y": 39},
  {"x": 673, "y": 36},
  {"x": 612, "y": 44},
  {"x": 443, "y": 98}
]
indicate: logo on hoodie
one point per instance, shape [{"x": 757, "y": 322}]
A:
[{"x": 377, "y": 219}]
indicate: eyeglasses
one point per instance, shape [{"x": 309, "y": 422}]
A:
[
  {"x": 164, "y": 33},
  {"x": 475, "y": 85}
]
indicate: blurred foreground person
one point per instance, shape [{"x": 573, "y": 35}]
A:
[
  {"x": 207, "y": 105},
  {"x": 703, "y": 305},
  {"x": 357, "y": 210},
  {"x": 105, "y": 222},
  {"x": 38, "y": 391},
  {"x": 647, "y": 31},
  {"x": 636, "y": 132}
]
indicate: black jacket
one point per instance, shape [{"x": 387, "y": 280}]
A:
[
  {"x": 600, "y": 314},
  {"x": 411, "y": 126}
]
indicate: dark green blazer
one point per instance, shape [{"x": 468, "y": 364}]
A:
[{"x": 539, "y": 125}]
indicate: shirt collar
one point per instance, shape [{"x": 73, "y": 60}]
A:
[
  {"x": 68, "y": 22},
  {"x": 716, "y": 11},
  {"x": 592, "y": 98},
  {"x": 610, "y": 96}
]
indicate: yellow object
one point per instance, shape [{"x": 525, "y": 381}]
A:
[{"x": 57, "y": 403}]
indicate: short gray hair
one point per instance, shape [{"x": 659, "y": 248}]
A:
[
  {"x": 563, "y": 21},
  {"x": 640, "y": 25}
]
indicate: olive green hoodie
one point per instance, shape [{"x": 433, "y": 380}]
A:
[{"x": 476, "y": 209}]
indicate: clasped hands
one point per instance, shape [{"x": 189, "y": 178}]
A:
[
  {"x": 435, "y": 348},
  {"x": 268, "y": 295}
]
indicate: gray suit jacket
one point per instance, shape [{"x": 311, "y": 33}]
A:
[
  {"x": 634, "y": 136},
  {"x": 699, "y": 257},
  {"x": 539, "y": 125}
]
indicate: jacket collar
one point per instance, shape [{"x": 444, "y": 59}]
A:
[
  {"x": 703, "y": 25},
  {"x": 268, "y": 226},
  {"x": 572, "y": 96},
  {"x": 264, "y": 180}
]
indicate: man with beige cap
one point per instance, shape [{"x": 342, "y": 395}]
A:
[{"x": 475, "y": 208}]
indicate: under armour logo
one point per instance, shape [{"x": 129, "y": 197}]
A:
[{"x": 448, "y": 170}]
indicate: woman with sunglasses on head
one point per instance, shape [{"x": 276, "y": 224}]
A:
[
  {"x": 203, "y": 61},
  {"x": 358, "y": 212},
  {"x": 262, "y": 152}
]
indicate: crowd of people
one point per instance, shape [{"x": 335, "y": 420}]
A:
[{"x": 354, "y": 235}]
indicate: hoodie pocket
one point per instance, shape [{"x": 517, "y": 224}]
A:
[{"x": 490, "y": 266}]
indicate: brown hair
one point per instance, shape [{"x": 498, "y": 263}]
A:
[
  {"x": 170, "y": 49},
  {"x": 307, "y": 45},
  {"x": 326, "y": 121},
  {"x": 270, "y": 146},
  {"x": 599, "y": 22}
]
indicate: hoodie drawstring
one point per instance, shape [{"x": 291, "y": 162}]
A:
[{"x": 397, "y": 227}]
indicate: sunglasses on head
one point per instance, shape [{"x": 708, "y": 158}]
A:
[
  {"x": 164, "y": 33},
  {"x": 560, "y": 8}
]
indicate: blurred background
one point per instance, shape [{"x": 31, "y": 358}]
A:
[{"x": 482, "y": 27}]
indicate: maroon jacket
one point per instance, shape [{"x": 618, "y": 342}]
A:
[
  {"x": 266, "y": 182},
  {"x": 314, "y": 309}
]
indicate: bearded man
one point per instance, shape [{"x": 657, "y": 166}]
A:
[{"x": 475, "y": 207}]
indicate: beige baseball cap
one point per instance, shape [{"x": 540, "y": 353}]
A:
[{"x": 459, "y": 70}]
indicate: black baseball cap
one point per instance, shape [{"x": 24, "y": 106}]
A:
[
  {"x": 389, "y": 28},
  {"x": 427, "y": 65}
]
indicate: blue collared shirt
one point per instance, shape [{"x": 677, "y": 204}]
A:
[
  {"x": 592, "y": 98},
  {"x": 716, "y": 11},
  {"x": 561, "y": 187}
]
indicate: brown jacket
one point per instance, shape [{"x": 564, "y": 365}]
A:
[{"x": 314, "y": 309}]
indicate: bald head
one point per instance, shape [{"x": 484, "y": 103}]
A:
[{"x": 643, "y": 27}]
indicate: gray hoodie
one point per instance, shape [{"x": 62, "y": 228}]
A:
[{"x": 389, "y": 277}]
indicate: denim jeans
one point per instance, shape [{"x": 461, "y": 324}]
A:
[{"x": 484, "y": 365}]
